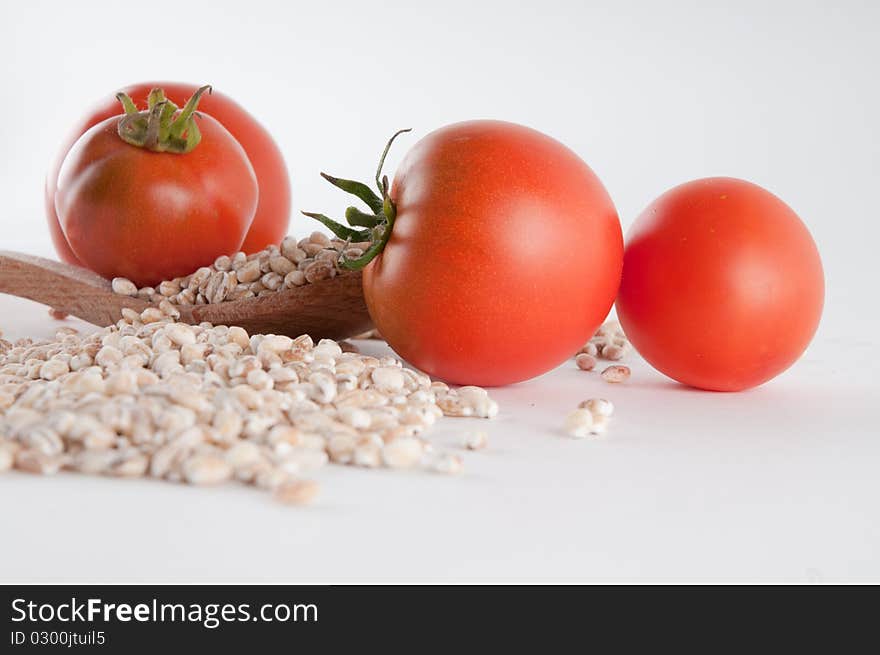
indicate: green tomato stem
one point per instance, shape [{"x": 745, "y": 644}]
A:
[
  {"x": 382, "y": 159},
  {"x": 339, "y": 229},
  {"x": 127, "y": 103},
  {"x": 358, "y": 189},
  {"x": 380, "y": 222},
  {"x": 161, "y": 128},
  {"x": 183, "y": 120},
  {"x": 154, "y": 125},
  {"x": 355, "y": 216},
  {"x": 156, "y": 96}
]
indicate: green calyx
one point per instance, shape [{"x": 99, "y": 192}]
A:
[
  {"x": 373, "y": 227},
  {"x": 161, "y": 127}
]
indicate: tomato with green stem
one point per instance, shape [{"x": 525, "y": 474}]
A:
[
  {"x": 152, "y": 195},
  {"x": 495, "y": 253},
  {"x": 272, "y": 216}
]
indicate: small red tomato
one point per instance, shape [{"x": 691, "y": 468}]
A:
[
  {"x": 140, "y": 196},
  {"x": 273, "y": 208},
  {"x": 504, "y": 253},
  {"x": 722, "y": 285}
]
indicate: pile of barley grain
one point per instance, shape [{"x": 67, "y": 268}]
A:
[
  {"x": 206, "y": 404},
  {"x": 291, "y": 264}
]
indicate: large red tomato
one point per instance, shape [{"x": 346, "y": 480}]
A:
[
  {"x": 722, "y": 285},
  {"x": 504, "y": 255},
  {"x": 273, "y": 210},
  {"x": 152, "y": 208}
]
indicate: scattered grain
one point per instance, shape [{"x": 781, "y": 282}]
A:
[
  {"x": 475, "y": 440},
  {"x": 616, "y": 374},
  {"x": 585, "y": 361},
  {"x": 57, "y": 314},
  {"x": 297, "y": 492}
]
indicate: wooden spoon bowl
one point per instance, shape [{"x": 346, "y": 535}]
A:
[{"x": 332, "y": 308}]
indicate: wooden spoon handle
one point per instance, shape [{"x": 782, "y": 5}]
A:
[
  {"x": 333, "y": 308},
  {"x": 70, "y": 289}
]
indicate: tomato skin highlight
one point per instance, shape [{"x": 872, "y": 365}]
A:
[
  {"x": 722, "y": 285},
  {"x": 504, "y": 258},
  {"x": 272, "y": 216},
  {"x": 128, "y": 212}
]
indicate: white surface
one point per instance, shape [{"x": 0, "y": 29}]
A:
[{"x": 775, "y": 484}]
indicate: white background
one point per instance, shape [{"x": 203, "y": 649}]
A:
[{"x": 777, "y": 484}]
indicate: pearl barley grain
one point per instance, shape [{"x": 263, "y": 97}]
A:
[
  {"x": 206, "y": 469},
  {"x": 600, "y": 424},
  {"x": 613, "y": 352},
  {"x": 403, "y": 453},
  {"x": 578, "y": 423},
  {"x": 57, "y": 314},
  {"x": 476, "y": 440},
  {"x": 616, "y": 374},
  {"x": 7, "y": 456},
  {"x": 124, "y": 287},
  {"x": 598, "y": 407},
  {"x": 446, "y": 464},
  {"x": 297, "y": 492},
  {"x": 388, "y": 378},
  {"x": 585, "y": 362}
]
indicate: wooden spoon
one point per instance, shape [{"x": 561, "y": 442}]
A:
[{"x": 333, "y": 308}]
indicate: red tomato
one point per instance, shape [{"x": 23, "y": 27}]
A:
[
  {"x": 127, "y": 211},
  {"x": 722, "y": 285},
  {"x": 273, "y": 211},
  {"x": 504, "y": 258}
]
